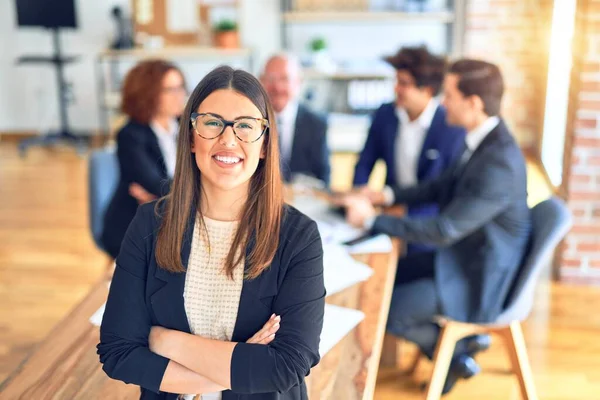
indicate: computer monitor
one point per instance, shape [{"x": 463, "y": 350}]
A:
[{"x": 46, "y": 13}]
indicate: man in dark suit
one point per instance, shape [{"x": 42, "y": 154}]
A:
[
  {"x": 302, "y": 132},
  {"x": 482, "y": 229},
  {"x": 411, "y": 135}
]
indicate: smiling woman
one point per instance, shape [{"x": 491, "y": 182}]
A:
[{"x": 219, "y": 286}]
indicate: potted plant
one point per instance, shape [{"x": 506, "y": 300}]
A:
[
  {"x": 318, "y": 44},
  {"x": 321, "y": 60},
  {"x": 226, "y": 34}
]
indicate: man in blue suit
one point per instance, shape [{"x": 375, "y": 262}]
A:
[
  {"x": 302, "y": 132},
  {"x": 411, "y": 135}
]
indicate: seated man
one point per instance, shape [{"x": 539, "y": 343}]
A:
[
  {"x": 411, "y": 135},
  {"x": 302, "y": 133},
  {"x": 482, "y": 229}
]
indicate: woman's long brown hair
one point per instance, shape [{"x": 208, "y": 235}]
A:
[{"x": 262, "y": 213}]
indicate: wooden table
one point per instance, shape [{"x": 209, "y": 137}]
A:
[
  {"x": 65, "y": 365},
  {"x": 349, "y": 370}
]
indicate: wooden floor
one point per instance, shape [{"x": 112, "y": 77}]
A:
[{"x": 48, "y": 262}]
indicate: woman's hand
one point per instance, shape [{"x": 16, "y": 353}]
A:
[
  {"x": 267, "y": 334},
  {"x": 140, "y": 194}
]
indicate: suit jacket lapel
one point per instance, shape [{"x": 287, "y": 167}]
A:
[
  {"x": 167, "y": 302},
  {"x": 491, "y": 137},
  {"x": 430, "y": 138},
  {"x": 153, "y": 142},
  {"x": 392, "y": 134},
  {"x": 248, "y": 320}
]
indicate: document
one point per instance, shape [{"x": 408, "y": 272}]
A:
[
  {"x": 96, "y": 319},
  {"x": 341, "y": 270},
  {"x": 376, "y": 244},
  {"x": 337, "y": 323}
]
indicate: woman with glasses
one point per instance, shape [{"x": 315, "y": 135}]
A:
[
  {"x": 218, "y": 291},
  {"x": 153, "y": 97}
]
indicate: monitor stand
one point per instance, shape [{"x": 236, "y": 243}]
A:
[{"x": 64, "y": 133}]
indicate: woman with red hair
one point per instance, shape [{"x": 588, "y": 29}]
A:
[{"x": 153, "y": 98}]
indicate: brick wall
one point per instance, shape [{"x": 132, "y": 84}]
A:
[
  {"x": 579, "y": 259},
  {"x": 515, "y": 35}
]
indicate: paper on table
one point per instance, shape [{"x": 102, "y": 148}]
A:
[
  {"x": 341, "y": 270},
  {"x": 377, "y": 244},
  {"x": 332, "y": 227},
  {"x": 96, "y": 319},
  {"x": 337, "y": 323}
]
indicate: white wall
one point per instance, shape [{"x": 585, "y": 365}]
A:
[
  {"x": 28, "y": 92},
  {"x": 368, "y": 40}
]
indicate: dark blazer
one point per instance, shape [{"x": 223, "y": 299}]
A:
[
  {"x": 141, "y": 161},
  {"x": 482, "y": 229},
  {"x": 442, "y": 146},
  {"x": 310, "y": 153},
  {"x": 143, "y": 295}
]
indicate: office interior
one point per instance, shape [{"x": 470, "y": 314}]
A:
[{"x": 60, "y": 103}]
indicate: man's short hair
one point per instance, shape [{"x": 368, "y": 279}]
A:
[
  {"x": 480, "y": 78},
  {"x": 426, "y": 68}
]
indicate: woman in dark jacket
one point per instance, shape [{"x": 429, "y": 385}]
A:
[
  {"x": 153, "y": 98},
  {"x": 207, "y": 266}
]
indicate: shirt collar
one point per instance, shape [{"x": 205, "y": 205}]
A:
[
  {"x": 289, "y": 113},
  {"x": 161, "y": 131},
  {"x": 477, "y": 135},
  {"x": 425, "y": 119}
]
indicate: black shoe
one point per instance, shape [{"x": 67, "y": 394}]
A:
[
  {"x": 477, "y": 343},
  {"x": 462, "y": 367}
]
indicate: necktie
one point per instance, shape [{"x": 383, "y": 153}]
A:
[{"x": 462, "y": 162}]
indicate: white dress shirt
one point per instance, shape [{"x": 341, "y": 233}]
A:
[
  {"x": 286, "y": 125},
  {"x": 477, "y": 135},
  {"x": 167, "y": 141},
  {"x": 411, "y": 136}
]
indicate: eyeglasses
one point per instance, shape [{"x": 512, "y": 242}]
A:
[{"x": 246, "y": 129}]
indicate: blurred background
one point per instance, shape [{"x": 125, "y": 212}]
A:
[{"x": 548, "y": 51}]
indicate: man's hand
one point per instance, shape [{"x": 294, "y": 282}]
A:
[
  {"x": 358, "y": 210},
  {"x": 376, "y": 198}
]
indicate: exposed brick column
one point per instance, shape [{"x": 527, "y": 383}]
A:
[
  {"x": 579, "y": 260},
  {"x": 515, "y": 34}
]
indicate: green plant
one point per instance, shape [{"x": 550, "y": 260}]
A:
[
  {"x": 318, "y": 44},
  {"x": 226, "y": 25}
]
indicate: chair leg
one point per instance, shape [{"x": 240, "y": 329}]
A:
[
  {"x": 414, "y": 364},
  {"x": 517, "y": 352},
  {"x": 390, "y": 353},
  {"x": 441, "y": 362}
]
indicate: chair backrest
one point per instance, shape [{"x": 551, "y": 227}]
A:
[
  {"x": 103, "y": 177},
  {"x": 551, "y": 220}
]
